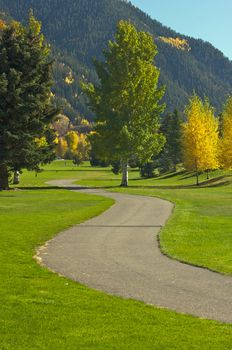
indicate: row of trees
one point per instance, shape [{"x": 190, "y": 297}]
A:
[
  {"x": 207, "y": 140},
  {"x": 126, "y": 102},
  {"x": 199, "y": 140},
  {"x": 73, "y": 146},
  {"x": 127, "y": 109}
]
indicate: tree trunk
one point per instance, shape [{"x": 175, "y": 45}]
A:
[
  {"x": 124, "y": 174},
  {"x": 197, "y": 175},
  {"x": 4, "y": 181},
  {"x": 16, "y": 178},
  {"x": 207, "y": 174}
]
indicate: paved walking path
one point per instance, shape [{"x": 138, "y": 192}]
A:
[{"x": 118, "y": 253}]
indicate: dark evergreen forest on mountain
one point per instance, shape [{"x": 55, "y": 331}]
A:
[{"x": 79, "y": 30}]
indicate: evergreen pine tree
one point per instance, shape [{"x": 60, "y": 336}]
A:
[
  {"x": 26, "y": 107},
  {"x": 174, "y": 142},
  {"x": 171, "y": 155}
]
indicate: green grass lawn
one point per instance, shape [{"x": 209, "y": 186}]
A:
[{"x": 40, "y": 310}]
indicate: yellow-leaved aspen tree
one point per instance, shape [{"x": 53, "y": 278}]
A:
[
  {"x": 83, "y": 146},
  {"x": 62, "y": 147},
  {"x": 72, "y": 139},
  {"x": 83, "y": 149},
  {"x": 226, "y": 141},
  {"x": 200, "y": 137}
]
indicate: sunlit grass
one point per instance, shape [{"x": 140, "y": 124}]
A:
[
  {"x": 199, "y": 231},
  {"x": 40, "y": 310}
]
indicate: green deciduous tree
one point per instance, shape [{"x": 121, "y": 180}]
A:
[
  {"x": 126, "y": 101},
  {"x": 26, "y": 107}
]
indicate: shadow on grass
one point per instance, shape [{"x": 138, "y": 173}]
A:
[
  {"x": 72, "y": 187},
  {"x": 216, "y": 182},
  {"x": 76, "y": 170},
  {"x": 169, "y": 175},
  {"x": 188, "y": 175},
  {"x": 21, "y": 188}
]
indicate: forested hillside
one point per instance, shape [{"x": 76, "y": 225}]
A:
[{"x": 79, "y": 30}]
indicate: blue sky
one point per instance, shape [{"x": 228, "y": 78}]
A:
[{"x": 210, "y": 20}]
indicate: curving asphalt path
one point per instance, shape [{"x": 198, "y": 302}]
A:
[{"x": 118, "y": 253}]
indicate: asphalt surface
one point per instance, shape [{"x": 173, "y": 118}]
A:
[{"x": 118, "y": 253}]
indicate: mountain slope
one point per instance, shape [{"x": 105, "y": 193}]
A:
[{"x": 80, "y": 29}]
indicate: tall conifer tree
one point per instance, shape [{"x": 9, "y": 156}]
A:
[
  {"x": 26, "y": 107},
  {"x": 171, "y": 155}
]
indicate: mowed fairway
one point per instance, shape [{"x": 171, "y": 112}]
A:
[{"x": 40, "y": 310}]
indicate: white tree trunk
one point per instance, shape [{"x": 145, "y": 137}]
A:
[{"x": 124, "y": 174}]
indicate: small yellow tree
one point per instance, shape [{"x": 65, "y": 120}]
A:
[
  {"x": 200, "y": 137},
  {"x": 83, "y": 148},
  {"x": 72, "y": 140},
  {"x": 62, "y": 147},
  {"x": 226, "y": 141}
]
